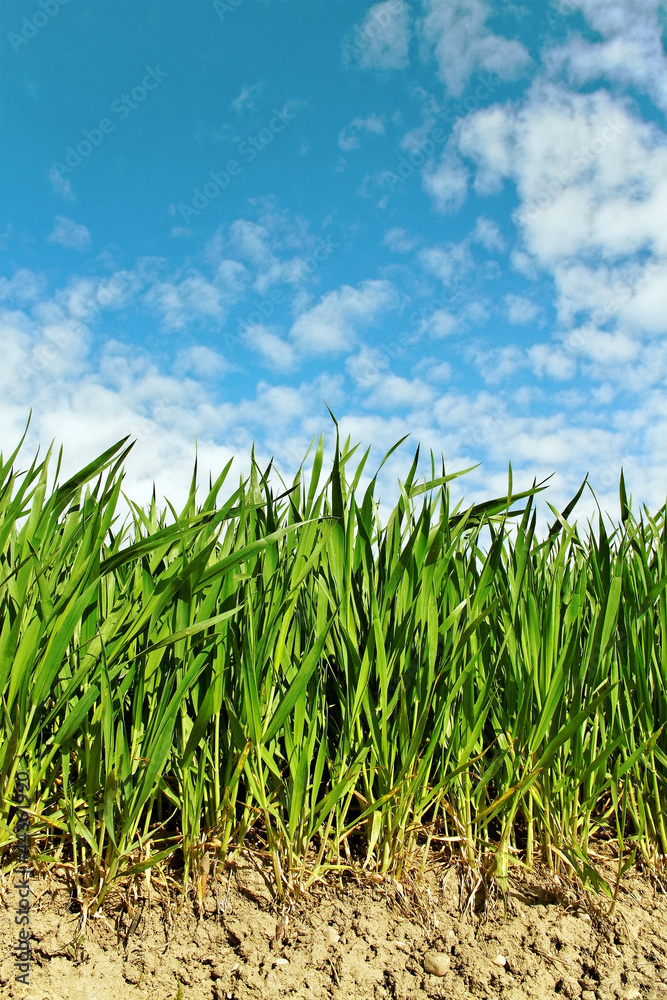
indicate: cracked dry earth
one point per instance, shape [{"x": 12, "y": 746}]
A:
[{"x": 355, "y": 941}]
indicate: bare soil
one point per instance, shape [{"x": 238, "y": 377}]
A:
[{"x": 357, "y": 940}]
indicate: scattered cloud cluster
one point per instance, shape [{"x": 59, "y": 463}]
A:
[
  {"x": 349, "y": 137},
  {"x": 561, "y": 189},
  {"x": 381, "y": 41},
  {"x": 247, "y": 99},
  {"x": 631, "y": 52},
  {"x": 331, "y": 326},
  {"x": 592, "y": 185},
  {"x": 70, "y": 234},
  {"x": 457, "y": 35}
]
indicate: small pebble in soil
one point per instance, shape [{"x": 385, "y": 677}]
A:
[
  {"x": 331, "y": 936},
  {"x": 499, "y": 960},
  {"x": 436, "y": 963}
]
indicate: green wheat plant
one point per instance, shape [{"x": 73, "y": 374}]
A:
[{"x": 287, "y": 675}]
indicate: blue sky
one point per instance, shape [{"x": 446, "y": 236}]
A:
[{"x": 446, "y": 218}]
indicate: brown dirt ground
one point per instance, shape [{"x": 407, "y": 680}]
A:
[{"x": 350, "y": 940}]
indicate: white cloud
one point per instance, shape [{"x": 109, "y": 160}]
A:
[
  {"x": 397, "y": 239},
  {"x": 475, "y": 312},
  {"x": 275, "y": 407},
  {"x": 180, "y": 232},
  {"x": 443, "y": 322},
  {"x": 349, "y": 136},
  {"x": 348, "y": 139},
  {"x": 201, "y": 361},
  {"x": 78, "y": 299},
  {"x": 247, "y": 99},
  {"x": 580, "y": 187},
  {"x": 291, "y": 272},
  {"x": 70, "y": 234},
  {"x": 385, "y": 391},
  {"x": 439, "y": 324},
  {"x": 630, "y": 53},
  {"x": 382, "y": 40},
  {"x": 487, "y": 232},
  {"x": 446, "y": 182},
  {"x": 24, "y": 286},
  {"x": 118, "y": 290},
  {"x": 456, "y": 31},
  {"x": 602, "y": 347},
  {"x": 487, "y": 130},
  {"x": 498, "y": 363},
  {"x": 419, "y": 137},
  {"x": 277, "y": 352},
  {"x": 61, "y": 185},
  {"x": 251, "y": 241},
  {"x": 394, "y": 392},
  {"x": 434, "y": 370},
  {"x": 88, "y": 400},
  {"x": 16, "y": 338},
  {"x": 450, "y": 263},
  {"x": 48, "y": 345},
  {"x": 524, "y": 264},
  {"x": 330, "y": 327},
  {"x": 268, "y": 249},
  {"x": 368, "y": 367},
  {"x": 179, "y": 302},
  {"x": 231, "y": 276},
  {"x": 592, "y": 187},
  {"x": 520, "y": 309},
  {"x": 549, "y": 360}
]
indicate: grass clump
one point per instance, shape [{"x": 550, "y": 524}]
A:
[{"x": 286, "y": 672}]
